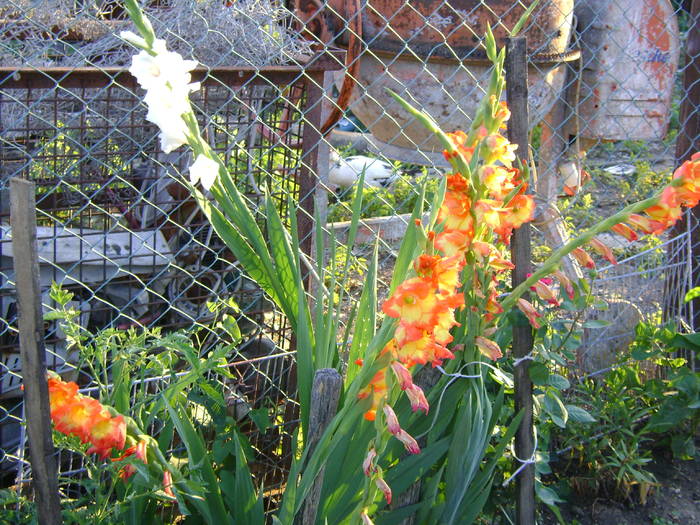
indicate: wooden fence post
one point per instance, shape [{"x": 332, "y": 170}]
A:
[
  {"x": 325, "y": 394},
  {"x": 32, "y": 352},
  {"x": 516, "y": 92}
]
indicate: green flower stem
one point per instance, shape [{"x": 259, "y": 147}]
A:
[
  {"x": 551, "y": 263},
  {"x": 142, "y": 24}
]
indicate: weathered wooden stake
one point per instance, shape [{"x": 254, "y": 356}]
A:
[
  {"x": 33, "y": 355},
  {"x": 516, "y": 92},
  {"x": 325, "y": 394}
]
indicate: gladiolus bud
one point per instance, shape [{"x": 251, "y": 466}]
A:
[
  {"x": 368, "y": 464},
  {"x": 168, "y": 484},
  {"x": 583, "y": 258},
  {"x": 565, "y": 283},
  {"x": 409, "y": 443},
  {"x": 392, "y": 422},
  {"x": 402, "y": 374},
  {"x": 545, "y": 292},
  {"x": 643, "y": 223},
  {"x": 365, "y": 518},
  {"x": 488, "y": 348},
  {"x": 382, "y": 485},
  {"x": 603, "y": 250},
  {"x": 530, "y": 312},
  {"x": 417, "y": 397},
  {"x": 624, "y": 230}
]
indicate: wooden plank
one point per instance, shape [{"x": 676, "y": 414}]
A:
[
  {"x": 516, "y": 92},
  {"x": 325, "y": 394},
  {"x": 33, "y": 354}
]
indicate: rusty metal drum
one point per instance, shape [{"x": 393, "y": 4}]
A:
[
  {"x": 630, "y": 56},
  {"x": 429, "y": 51}
]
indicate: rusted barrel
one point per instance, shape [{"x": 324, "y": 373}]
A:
[
  {"x": 430, "y": 50},
  {"x": 630, "y": 57}
]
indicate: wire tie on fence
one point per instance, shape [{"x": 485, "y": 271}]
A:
[
  {"x": 460, "y": 375},
  {"x": 527, "y": 357},
  {"x": 523, "y": 463}
]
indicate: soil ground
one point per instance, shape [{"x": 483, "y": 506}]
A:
[{"x": 676, "y": 501}]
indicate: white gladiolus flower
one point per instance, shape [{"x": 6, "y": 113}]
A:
[
  {"x": 166, "y": 78},
  {"x": 163, "y": 68},
  {"x": 204, "y": 170}
]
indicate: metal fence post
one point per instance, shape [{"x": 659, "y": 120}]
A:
[
  {"x": 33, "y": 355},
  {"x": 516, "y": 92}
]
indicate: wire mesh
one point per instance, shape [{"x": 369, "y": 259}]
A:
[{"x": 605, "y": 92}]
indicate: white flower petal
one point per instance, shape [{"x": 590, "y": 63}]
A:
[{"x": 205, "y": 170}]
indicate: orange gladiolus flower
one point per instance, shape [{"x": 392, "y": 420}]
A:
[
  {"x": 499, "y": 180},
  {"x": 414, "y": 301},
  {"x": 457, "y": 183},
  {"x": 667, "y": 211},
  {"x": 453, "y": 242},
  {"x": 459, "y": 142},
  {"x": 442, "y": 271},
  {"x": 497, "y": 148},
  {"x": 84, "y": 417},
  {"x": 424, "y": 349},
  {"x": 689, "y": 172},
  {"x": 455, "y": 212}
]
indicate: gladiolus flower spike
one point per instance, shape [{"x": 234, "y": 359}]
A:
[{"x": 74, "y": 414}]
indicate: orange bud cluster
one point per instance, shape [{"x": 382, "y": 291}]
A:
[{"x": 74, "y": 414}]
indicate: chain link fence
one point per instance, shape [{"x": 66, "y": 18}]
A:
[{"x": 118, "y": 229}]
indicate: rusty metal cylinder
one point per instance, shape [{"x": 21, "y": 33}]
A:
[
  {"x": 429, "y": 50},
  {"x": 630, "y": 57}
]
